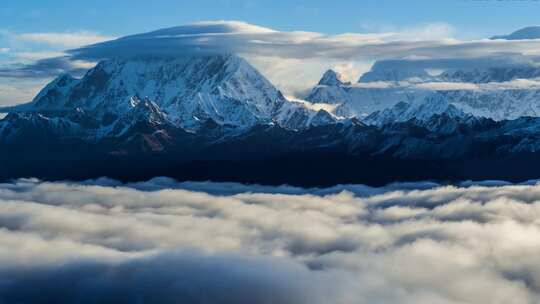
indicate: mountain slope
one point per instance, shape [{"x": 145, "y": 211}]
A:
[
  {"x": 224, "y": 88},
  {"x": 506, "y": 91},
  {"x": 442, "y": 147},
  {"x": 187, "y": 93},
  {"x": 216, "y": 117}
]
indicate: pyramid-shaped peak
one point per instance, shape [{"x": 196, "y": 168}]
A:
[
  {"x": 332, "y": 78},
  {"x": 190, "y": 90}
]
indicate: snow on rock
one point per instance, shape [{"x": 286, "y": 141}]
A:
[
  {"x": 490, "y": 75},
  {"x": 297, "y": 115},
  {"x": 158, "y": 92},
  {"x": 423, "y": 111},
  {"x": 499, "y": 92},
  {"x": 332, "y": 78},
  {"x": 224, "y": 88}
]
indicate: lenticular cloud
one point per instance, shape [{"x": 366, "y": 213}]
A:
[{"x": 167, "y": 242}]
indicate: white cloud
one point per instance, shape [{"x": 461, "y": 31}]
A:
[
  {"x": 516, "y": 84},
  {"x": 314, "y": 106},
  {"x": 32, "y": 59},
  {"x": 34, "y": 56},
  {"x": 428, "y": 41},
  {"x": 409, "y": 243},
  {"x": 376, "y": 85},
  {"x": 447, "y": 86},
  {"x": 294, "y": 76},
  {"x": 14, "y": 91},
  {"x": 293, "y": 60},
  {"x": 66, "y": 40},
  {"x": 233, "y": 26}
]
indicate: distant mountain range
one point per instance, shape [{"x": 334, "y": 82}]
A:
[
  {"x": 216, "y": 117},
  {"x": 494, "y": 90},
  {"x": 530, "y": 32}
]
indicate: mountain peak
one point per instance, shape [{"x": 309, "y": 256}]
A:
[
  {"x": 190, "y": 90},
  {"x": 423, "y": 111},
  {"x": 180, "y": 92},
  {"x": 332, "y": 78}
]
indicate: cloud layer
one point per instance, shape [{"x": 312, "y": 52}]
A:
[
  {"x": 251, "y": 40},
  {"x": 293, "y": 60},
  {"x": 162, "y": 241}
]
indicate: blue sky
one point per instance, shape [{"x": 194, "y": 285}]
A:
[
  {"x": 121, "y": 17},
  {"x": 32, "y": 32}
]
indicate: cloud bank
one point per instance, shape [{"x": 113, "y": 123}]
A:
[
  {"x": 517, "y": 84},
  {"x": 162, "y": 242},
  {"x": 251, "y": 40},
  {"x": 293, "y": 60}
]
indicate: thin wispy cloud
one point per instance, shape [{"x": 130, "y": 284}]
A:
[{"x": 67, "y": 40}]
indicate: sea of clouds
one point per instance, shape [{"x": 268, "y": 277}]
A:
[{"x": 167, "y": 242}]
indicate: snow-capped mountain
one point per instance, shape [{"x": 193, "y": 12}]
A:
[
  {"x": 223, "y": 88},
  {"x": 185, "y": 93},
  {"x": 332, "y": 78},
  {"x": 421, "y": 112},
  {"x": 297, "y": 116},
  {"x": 216, "y": 117},
  {"x": 16, "y": 125},
  {"x": 359, "y": 100},
  {"x": 489, "y": 75},
  {"x": 486, "y": 91}
]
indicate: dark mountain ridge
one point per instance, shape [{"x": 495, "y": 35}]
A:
[{"x": 238, "y": 127}]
